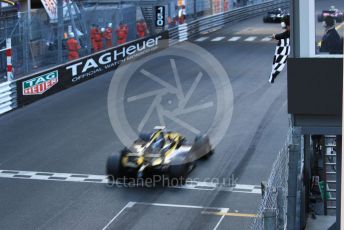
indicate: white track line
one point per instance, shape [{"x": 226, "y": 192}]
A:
[
  {"x": 233, "y": 39},
  {"x": 128, "y": 205},
  {"x": 222, "y": 217},
  {"x": 266, "y": 39},
  {"x": 201, "y": 39},
  {"x": 206, "y": 209},
  {"x": 217, "y": 39},
  {"x": 250, "y": 39},
  {"x": 181, "y": 206},
  {"x": 103, "y": 179}
]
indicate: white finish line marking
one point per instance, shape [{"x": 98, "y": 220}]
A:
[
  {"x": 103, "y": 179},
  {"x": 250, "y": 39},
  {"x": 216, "y": 211},
  {"x": 266, "y": 39},
  {"x": 217, "y": 39},
  {"x": 233, "y": 39},
  {"x": 201, "y": 39},
  {"x": 182, "y": 206}
]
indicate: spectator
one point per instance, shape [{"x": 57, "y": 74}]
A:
[
  {"x": 96, "y": 38},
  {"x": 331, "y": 42},
  {"x": 225, "y": 6},
  {"x": 171, "y": 22},
  {"x": 141, "y": 29},
  {"x": 182, "y": 15},
  {"x": 92, "y": 36},
  {"x": 73, "y": 47},
  {"x": 108, "y": 35},
  {"x": 122, "y": 33}
]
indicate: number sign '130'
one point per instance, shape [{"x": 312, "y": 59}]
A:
[{"x": 160, "y": 16}]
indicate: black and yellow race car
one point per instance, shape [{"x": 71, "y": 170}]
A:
[{"x": 159, "y": 153}]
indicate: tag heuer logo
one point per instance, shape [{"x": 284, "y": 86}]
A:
[{"x": 41, "y": 84}]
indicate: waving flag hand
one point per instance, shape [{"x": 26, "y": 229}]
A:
[{"x": 280, "y": 58}]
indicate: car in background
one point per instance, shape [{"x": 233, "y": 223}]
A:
[
  {"x": 275, "y": 16},
  {"x": 333, "y": 12}
]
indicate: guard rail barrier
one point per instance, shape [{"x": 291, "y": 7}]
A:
[
  {"x": 214, "y": 22},
  {"x": 8, "y": 97}
]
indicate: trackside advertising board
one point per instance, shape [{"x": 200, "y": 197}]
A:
[{"x": 43, "y": 84}]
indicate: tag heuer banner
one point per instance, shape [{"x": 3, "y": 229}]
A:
[
  {"x": 40, "y": 84},
  {"x": 43, "y": 84}
]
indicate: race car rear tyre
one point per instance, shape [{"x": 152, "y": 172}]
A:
[{"x": 113, "y": 166}]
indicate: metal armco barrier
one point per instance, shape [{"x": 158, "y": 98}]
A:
[
  {"x": 8, "y": 97},
  {"x": 217, "y": 21},
  {"x": 183, "y": 32}
]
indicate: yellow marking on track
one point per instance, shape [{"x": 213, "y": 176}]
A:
[{"x": 234, "y": 214}]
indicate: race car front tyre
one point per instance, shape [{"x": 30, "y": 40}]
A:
[{"x": 113, "y": 167}]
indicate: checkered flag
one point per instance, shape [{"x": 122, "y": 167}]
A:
[{"x": 280, "y": 58}]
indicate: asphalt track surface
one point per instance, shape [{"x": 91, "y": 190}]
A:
[{"x": 71, "y": 133}]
